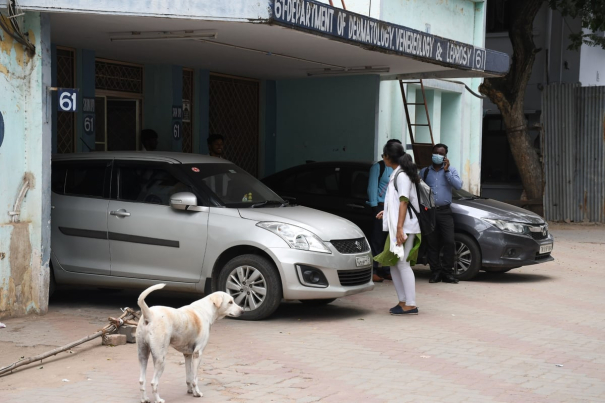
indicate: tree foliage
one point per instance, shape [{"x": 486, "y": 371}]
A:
[{"x": 592, "y": 15}]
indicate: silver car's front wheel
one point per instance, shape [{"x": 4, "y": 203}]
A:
[
  {"x": 254, "y": 283},
  {"x": 247, "y": 286}
]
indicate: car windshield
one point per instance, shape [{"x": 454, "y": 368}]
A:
[
  {"x": 463, "y": 195},
  {"x": 232, "y": 185}
]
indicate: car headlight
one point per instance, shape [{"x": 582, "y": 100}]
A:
[
  {"x": 296, "y": 237},
  {"x": 508, "y": 226}
]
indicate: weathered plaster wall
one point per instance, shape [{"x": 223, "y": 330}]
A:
[{"x": 25, "y": 156}]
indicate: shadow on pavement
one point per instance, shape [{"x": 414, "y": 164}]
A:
[
  {"x": 107, "y": 298},
  {"x": 293, "y": 311},
  {"x": 510, "y": 277},
  {"x": 69, "y": 298},
  {"x": 423, "y": 273}
]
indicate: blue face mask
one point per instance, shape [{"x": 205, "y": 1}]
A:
[{"x": 437, "y": 159}]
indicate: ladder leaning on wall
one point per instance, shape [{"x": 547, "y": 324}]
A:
[{"x": 422, "y": 151}]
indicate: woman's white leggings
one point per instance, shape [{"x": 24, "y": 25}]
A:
[{"x": 403, "y": 276}]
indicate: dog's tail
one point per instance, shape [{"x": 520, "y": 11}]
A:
[{"x": 144, "y": 308}]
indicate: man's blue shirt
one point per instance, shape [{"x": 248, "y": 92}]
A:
[
  {"x": 377, "y": 187},
  {"x": 441, "y": 184}
]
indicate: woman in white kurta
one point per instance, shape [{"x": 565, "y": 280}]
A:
[{"x": 401, "y": 248}]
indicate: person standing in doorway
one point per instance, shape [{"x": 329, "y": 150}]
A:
[
  {"x": 442, "y": 178},
  {"x": 216, "y": 145},
  {"x": 149, "y": 140},
  {"x": 377, "y": 189}
]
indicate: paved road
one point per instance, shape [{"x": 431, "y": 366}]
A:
[{"x": 532, "y": 335}]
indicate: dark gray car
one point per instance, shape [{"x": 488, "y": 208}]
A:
[{"x": 490, "y": 235}]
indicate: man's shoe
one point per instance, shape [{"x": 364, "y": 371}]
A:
[
  {"x": 435, "y": 277},
  {"x": 388, "y": 277},
  {"x": 377, "y": 279},
  {"x": 449, "y": 278}
]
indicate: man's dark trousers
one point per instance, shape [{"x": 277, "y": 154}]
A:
[
  {"x": 377, "y": 241},
  {"x": 442, "y": 237}
]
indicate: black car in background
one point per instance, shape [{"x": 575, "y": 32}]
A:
[{"x": 490, "y": 235}]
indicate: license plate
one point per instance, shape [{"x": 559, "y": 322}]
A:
[
  {"x": 363, "y": 261},
  {"x": 546, "y": 248}
]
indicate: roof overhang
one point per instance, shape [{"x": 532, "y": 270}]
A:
[
  {"x": 375, "y": 35},
  {"x": 287, "y": 39}
]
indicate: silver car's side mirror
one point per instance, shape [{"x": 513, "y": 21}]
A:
[{"x": 185, "y": 201}]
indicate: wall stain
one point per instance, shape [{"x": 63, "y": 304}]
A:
[{"x": 7, "y": 43}]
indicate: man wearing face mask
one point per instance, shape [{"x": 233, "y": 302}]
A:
[{"x": 442, "y": 178}]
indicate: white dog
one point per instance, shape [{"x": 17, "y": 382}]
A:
[{"x": 187, "y": 329}]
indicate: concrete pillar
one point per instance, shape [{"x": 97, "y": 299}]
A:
[{"x": 25, "y": 163}]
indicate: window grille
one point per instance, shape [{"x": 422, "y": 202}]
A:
[{"x": 121, "y": 77}]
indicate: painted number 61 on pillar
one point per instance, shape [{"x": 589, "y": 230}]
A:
[{"x": 68, "y": 99}]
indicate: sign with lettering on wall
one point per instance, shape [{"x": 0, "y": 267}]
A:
[
  {"x": 310, "y": 15},
  {"x": 186, "y": 110},
  {"x": 88, "y": 108},
  {"x": 68, "y": 99},
  {"x": 177, "y": 122}
]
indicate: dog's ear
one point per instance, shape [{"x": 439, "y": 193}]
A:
[{"x": 217, "y": 299}]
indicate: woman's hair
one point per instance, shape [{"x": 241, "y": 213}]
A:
[{"x": 394, "y": 152}]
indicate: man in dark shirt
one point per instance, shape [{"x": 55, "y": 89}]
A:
[{"x": 442, "y": 178}]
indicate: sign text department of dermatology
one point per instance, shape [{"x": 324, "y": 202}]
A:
[{"x": 354, "y": 27}]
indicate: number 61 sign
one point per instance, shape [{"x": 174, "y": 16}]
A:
[{"x": 68, "y": 99}]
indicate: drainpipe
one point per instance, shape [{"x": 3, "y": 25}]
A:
[{"x": 17, "y": 207}]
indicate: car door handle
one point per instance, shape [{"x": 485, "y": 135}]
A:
[
  {"x": 356, "y": 206},
  {"x": 120, "y": 213}
]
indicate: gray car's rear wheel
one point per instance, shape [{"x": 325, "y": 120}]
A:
[
  {"x": 467, "y": 257},
  {"x": 254, "y": 284}
]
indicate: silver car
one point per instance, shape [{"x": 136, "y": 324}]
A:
[{"x": 198, "y": 224}]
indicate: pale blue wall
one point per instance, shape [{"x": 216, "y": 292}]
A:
[
  {"x": 461, "y": 20},
  {"x": 324, "y": 119},
  {"x": 25, "y": 156}
]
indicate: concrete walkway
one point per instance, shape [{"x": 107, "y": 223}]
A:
[{"x": 535, "y": 334}]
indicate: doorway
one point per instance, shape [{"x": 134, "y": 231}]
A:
[
  {"x": 117, "y": 124},
  {"x": 118, "y": 105}
]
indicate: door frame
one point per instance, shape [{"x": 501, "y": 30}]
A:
[{"x": 123, "y": 97}]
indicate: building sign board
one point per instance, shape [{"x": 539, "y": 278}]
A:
[
  {"x": 177, "y": 122},
  {"x": 68, "y": 99},
  {"x": 88, "y": 109},
  {"x": 369, "y": 32},
  {"x": 186, "y": 110}
]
